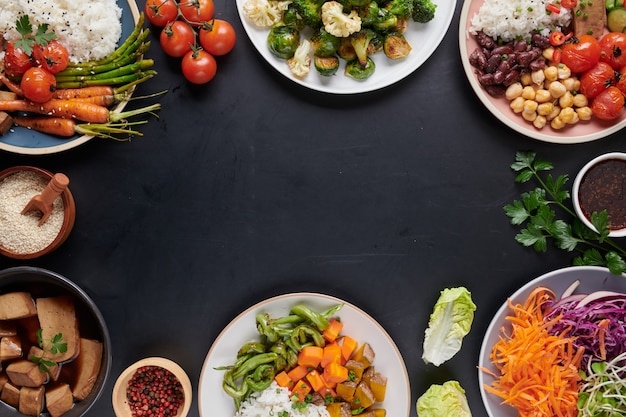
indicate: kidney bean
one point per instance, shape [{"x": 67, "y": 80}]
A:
[
  {"x": 493, "y": 62},
  {"x": 537, "y": 64},
  {"x": 478, "y": 59},
  {"x": 525, "y": 58},
  {"x": 485, "y": 40},
  {"x": 540, "y": 41},
  {"x": 486, "y": 79},
  {"x": 495, "y": 90},
  {"x": 503, "y": 50},
  {"x": 520, "y": 46},
  {"x": 511, "y": 77}
]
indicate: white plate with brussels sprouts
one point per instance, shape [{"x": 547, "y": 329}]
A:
[
  {"x": 424, "y": 39},
  {"x": 213, "y": 400}
]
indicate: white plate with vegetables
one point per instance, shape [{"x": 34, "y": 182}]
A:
[
  {"x": 584, "y": 131},
  {"x": 25, "y": 141},
  {"x": 589, "y": 280},
  {"x": 423, "y": 38},
  {"x": 213, "y": 400}
]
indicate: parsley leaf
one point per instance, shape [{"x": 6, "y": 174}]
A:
[
  {"x": 28, "y": 40},
  {"x": 53, "y": 345},
  {"x": 538, "y": 212}
]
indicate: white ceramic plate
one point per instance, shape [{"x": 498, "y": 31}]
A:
[
  {"x": 424, "y": 39},
  {"x": 214, "y": 402},
  {"x": 591, "y": 279},
  {"x": 29, "y": 142},
  {"x": 499, "y": 107}
]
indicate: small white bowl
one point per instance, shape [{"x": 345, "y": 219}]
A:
[
  {"x": 120, "y": 402},
  {"x": 576, "y": 190}
]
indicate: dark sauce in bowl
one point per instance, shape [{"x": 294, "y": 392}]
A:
[{"x": 603, "y": 187}]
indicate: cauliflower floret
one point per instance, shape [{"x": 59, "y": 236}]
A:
[
  {"x": 337, "y": 23},
  {"x": 300, "y": 63},
  {"x": 265, "y": 13}
]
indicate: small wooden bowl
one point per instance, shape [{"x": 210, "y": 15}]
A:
[
  {"x": 68, "y": 217},
  {"x": 120, "y": 402}
]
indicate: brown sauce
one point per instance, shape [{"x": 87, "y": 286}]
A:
[{"x": 604, "y": 188}]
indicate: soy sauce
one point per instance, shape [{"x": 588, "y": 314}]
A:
[{"x": 604, "y": 188}]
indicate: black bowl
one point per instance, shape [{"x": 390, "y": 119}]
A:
[{"x": 43, "y": 283}]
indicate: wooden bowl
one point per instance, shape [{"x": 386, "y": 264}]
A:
[
  {"x": 68, "y": 218},
  {"x": 120, "y": 402}
]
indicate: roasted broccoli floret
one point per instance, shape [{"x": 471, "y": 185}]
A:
[
  {"x": 283, "y": 40},
  {"x": 403, "y": 9},
  {"x": 291, "y": 17},
  {"x": 310, "y": 11},
  {"x": 368, "y": 14},
  {"x": 360, "y": 41},
  {"x": 423, "y": 11}
]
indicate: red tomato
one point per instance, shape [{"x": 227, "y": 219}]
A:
[
  {"x": 16, "y": 61},
  {"x": 199, "y": 67},
  {"x": 52, "y": 57},
  {"x": 609, "y": 104},
  {"x": 161, "y": 12},
  {"x": 197, "y": 11},
  {"x": 621, "y": 83},
  {"x": 597, "y": 79},
  {"x": 177, "y": 38},
  {"x": 613, "y": 46},
  {"x": 581, "y": 54},
  {"x": 38, "y": 84},
  {"x": 217, "y": 37}
]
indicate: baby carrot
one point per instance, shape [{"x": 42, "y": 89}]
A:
[
  {"x": 96, "y": 90},
  {"x": 51, "y": 125}
]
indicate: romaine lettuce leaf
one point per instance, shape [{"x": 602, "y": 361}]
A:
[{"x": 445, "y": 400}]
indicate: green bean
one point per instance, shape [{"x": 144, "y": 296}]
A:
[
  {"x": 252, "y": 363},
  {"x": 265, "y": 329},
  {"x": 317, "y": 319},
  {"x": 261, "y": 378},
  {"x": 251, "y": 347}
]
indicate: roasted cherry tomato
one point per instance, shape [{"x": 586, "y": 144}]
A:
[
  {"x": 16, "y": 61},
  {"x": 38, "y": 84},
  {"x": 217, "y": 37},
  {"x": 621, "y": 83},
  {"x": 52, "y": 57},
  {"x": 199, "y": 67},
  {"x": 597, "y": 79},
  {"x": 177, "y": 38},
  {"x": 613, "y": 46},
  {"x": 197, "y": 11},
  {"x": 161, "y": 12},
  {"x": 581, "y": 54},
  {"x": 609, "y": 104}
]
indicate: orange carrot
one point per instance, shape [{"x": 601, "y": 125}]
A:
[
  {"x": 301, "y": 389},
  {"x": 298, "y": 372},
  {"x": 538, "y": 372},
  {"x": 332, "y": 353},
  {"x": 51, "y": 125},
  {"x": 11, "y": 85},
  {"x": 348, "y": 346},
  {"x": 310, "y": 356},
  {"x": 283, "y": 380},
  {"x": 60, "y": 108},
  {"x": 70, "y": 93},
  {"x": 332, "y": 332},
  {"x": 315, "y": 380},
  {"x": 335, "y": 373}
]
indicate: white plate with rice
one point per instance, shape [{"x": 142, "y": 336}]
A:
[
  {"x": 25, "y": 141},
  {"x": 424, "y": 39},
  {"x": 214, "y": 402},
  {"x": 494, "y": 12}
]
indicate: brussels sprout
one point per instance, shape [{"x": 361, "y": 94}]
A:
[
  {"x": 396, "y": 46},
  {"x": 324, "y": 44},
  {"x": 346, "y": 51},
  {"x": 385, "y": 21},
  {"x": 326, "y": 65},
  {"x": 355, "y": 70},
  {"x": 291, "y": 17},
  {"x": 283, "y": 40}
]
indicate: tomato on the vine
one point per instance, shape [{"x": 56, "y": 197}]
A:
[
  {"x": 199, "y": 66},
  {"x": 609, "y": 104},
  {"x": 52, "y": 57},
  {"x": 217, "y": 37},
  {"x": 16, "y": 61},
  {"x": 38, "y": 84},
  {"x": 177, "y": 38},
  {"x": 581, "y": 54},
  {"x": 197, "y": 11},
  {"x": 613, "y": 46},
  {"x": 597, "y": 79},
  {"x": 161, "y": 12}
]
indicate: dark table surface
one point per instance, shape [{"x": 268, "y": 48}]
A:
[{"x": 252, "y": 186}]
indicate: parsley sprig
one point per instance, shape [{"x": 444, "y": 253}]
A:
[
  {"x": 53, "y": 345},
  {"x": 29, "y": 39},
  {"x": 534, "y": 212}
]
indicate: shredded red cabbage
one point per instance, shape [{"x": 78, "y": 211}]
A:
[{"x": 598, "y": 326}]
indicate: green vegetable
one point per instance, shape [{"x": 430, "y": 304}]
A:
[
  {"x": 360, "y": 42},
  {"x": 53, "y": 345},
  {"x": 603, "y": 390},
  {"x": 534, "y": 211},
  {"x": 355, "y": 70},
  {"x": 310, "y": 11},
  {"x": 616, "y": 19},
  {"x": 396, "y": 46},
  {"x": 444, "y": 401},
  {"x": 326, "y": 65},
  {"x": 283, "y": 40},
  {"x": 401, "y": 8},
  {"x": 423, "y": 11},
  {"x": 450, "y": 321},
  {"x": 324, "y": 44},
  {"x": 28, "y": 40}
]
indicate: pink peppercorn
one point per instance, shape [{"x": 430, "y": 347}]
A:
[{"x": 154, "y": 392}]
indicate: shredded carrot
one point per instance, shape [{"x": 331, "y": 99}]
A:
[{"x": 538, "y": 372}]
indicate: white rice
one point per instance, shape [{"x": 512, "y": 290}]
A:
[
  {"x": 512, "y": 19},
  {"x": 89, "y": 29},
  {"x": 273, "y": 401}
]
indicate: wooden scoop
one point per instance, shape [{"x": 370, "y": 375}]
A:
[{"x": 44, "y": 201}]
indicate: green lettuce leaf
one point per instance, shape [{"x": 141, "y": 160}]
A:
[
  {"x": 449, "y": 322},
  {"x": 445, "y": 400}
]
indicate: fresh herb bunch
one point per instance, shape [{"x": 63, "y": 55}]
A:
[
  {"x": 29, "y": 40},
  {"x": 53, "y": 345},
  {"x": 535, "y": 211}
]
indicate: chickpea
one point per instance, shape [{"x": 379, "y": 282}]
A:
[
  {"x": 569, "y": 83},
  {"x": 555, "y": 112},
  {"x": 584, "y": 113},
  {"x": 575, "y": 118},
  {"x": 566, "y": 114},
  {"x": 540, "y": 121},
  {"x": 557, "y": 89},
  {"x": 517, "y": 104},
  {"x": 513, "y": 91},
  {"x": 528, "y": 93},
  {"x": 548, "y": 53},
  {"x": 557, "y": 123},
  {"x": 564, "y": 72},
  {"x": 525, "y": 79},
  {"x": 545, "y": 109},
  {"x": 576, "y": 85},
  {"x": 537, "y": 77},
  {"x": 529, "y": 116},
  {"x": 530, "y": 106},
  {"x": 580, "y": 100},
  {"x": 542, "y": 96},
  {"x": 551, "y": 73},
  {"x": 566, "y": 100}
]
